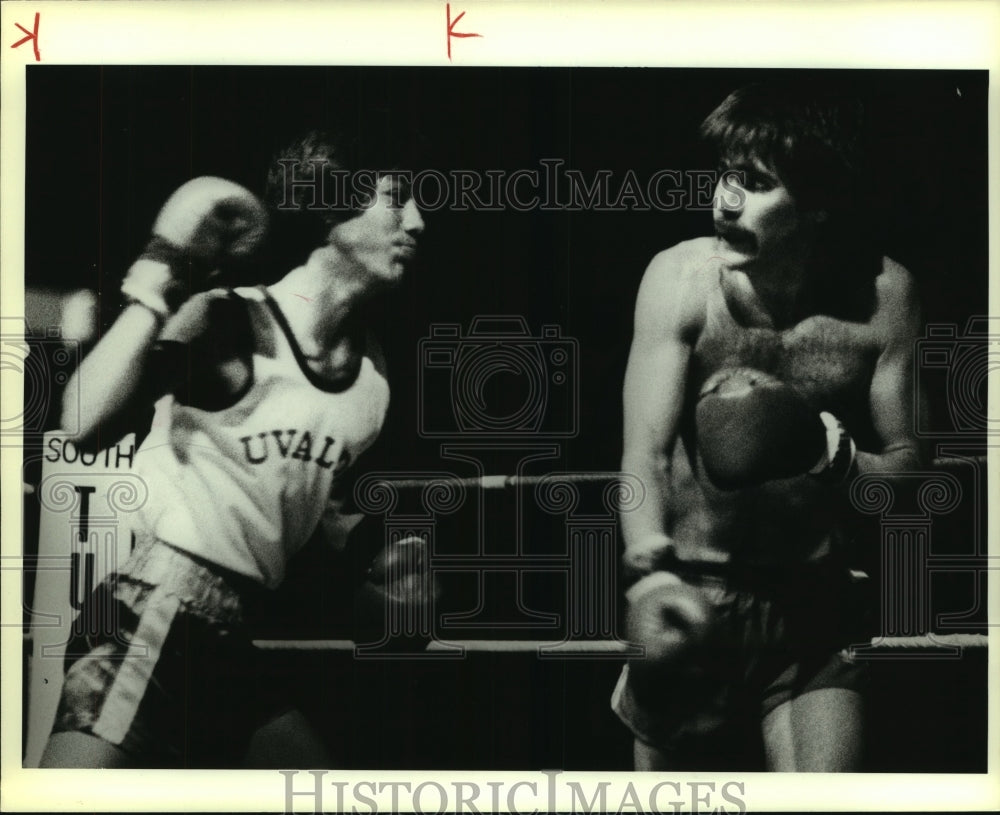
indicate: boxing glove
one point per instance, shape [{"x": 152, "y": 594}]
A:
[
  {"x": 753, "y": 428},
  {"x": 402, "y": 572},
  {"x": 206, "y": 222},
  {"x": 395, "y": 602},
  {"x": 671, "y": 620}
]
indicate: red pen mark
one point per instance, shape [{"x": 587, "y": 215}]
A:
[
  {"x": 307, "y": 299},
  {"x": 32, "y": 35},
  {"x": 451, "y": 28}
]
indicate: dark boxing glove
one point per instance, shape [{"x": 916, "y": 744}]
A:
[
  {"x": 754, "y": 428},
  {"x": 395, "y": 602},
  {"x": 671, "y": 621}
]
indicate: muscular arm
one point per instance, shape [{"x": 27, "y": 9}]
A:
[
  {"x": 199, "y": 356},
  {"x": 206, "y": 221},
  {"x": 653, "y": 401},
  {"x": 106, "y": 383},
  {"x": 894, "y": 392}
]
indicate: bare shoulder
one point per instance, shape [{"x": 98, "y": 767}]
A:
[
  {"x": 898, "y": 309},
  {"x": 686, "y": 262},
  {"x": 894, "y": 279},
  {"x": 208, "y": 313},
  {"x": 676, "y": 283}
]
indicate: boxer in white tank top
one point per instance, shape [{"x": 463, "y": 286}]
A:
[{"x": 264, "y": 397}]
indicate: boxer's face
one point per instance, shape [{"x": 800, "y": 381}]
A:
[
  {"x": 382, "y": 240},
  {"x": 757, "y": 221}
]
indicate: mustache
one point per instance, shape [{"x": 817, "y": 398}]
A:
[{"x": 735, "y": 235}]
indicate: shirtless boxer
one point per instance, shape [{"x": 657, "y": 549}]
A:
[
  {"x": 770, "y": 364},
  {"x": 264, "y": 397}
]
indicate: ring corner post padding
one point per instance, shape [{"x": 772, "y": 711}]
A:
[{"x": 86, "y": 500}]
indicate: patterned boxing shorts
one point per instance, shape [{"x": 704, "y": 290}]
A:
[
  {"x": 771, "y": 638},
  {"x": 160, "y": 664}
]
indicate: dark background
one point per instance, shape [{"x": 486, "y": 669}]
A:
[{"x": 106, "y": 146}]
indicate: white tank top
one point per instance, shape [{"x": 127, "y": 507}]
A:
[{"x": 245, "y": 486}]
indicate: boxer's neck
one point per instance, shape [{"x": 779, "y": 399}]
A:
[
  {"x": 785, "y": 291},
  {"x": 319, "y": 298}
]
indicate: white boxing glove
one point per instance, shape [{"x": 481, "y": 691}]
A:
[{"x": 206, "y": 221}]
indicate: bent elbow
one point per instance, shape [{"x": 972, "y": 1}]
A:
[
  {"x": 86, "y": 440},
  {"x": 77, "y": 424},
  {"x": 646, "y": 463}
]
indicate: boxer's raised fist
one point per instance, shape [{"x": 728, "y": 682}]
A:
[
  {"x": 753, "y": 428},
  {"x": 205, "y": 223}
]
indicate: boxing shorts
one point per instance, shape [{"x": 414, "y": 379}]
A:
[
  {"x": 774, "y": 634},
  {"x": 160, "y": 663}
]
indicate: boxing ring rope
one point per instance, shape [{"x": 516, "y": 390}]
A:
[
  {"x": 580, "y": 647},
  {"x": 879, "y": 645},
  {"x": 501, "y": 482}
]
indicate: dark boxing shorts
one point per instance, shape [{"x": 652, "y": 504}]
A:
[
  {"x": 160, "y": 664},
  {"x": 774, "y": 636}
]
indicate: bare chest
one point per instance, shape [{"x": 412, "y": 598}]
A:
[{"x": 830, "y": 361}]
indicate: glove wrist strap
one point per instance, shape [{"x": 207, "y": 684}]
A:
[
  {"x": 657, "y": 581},
  {"x": 159, "y": 279},
  {"x": 160, "y": 316},
  {"x": 838, "y": 459},
  {"x": 150, "y": 283},
  {"x": 177, "y": 258}
]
